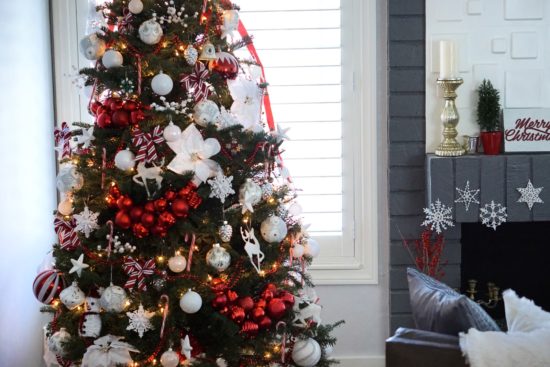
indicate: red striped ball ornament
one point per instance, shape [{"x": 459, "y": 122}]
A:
[
  {"x": 225, "y": 64},
  {"x": 48, "y": 285}
]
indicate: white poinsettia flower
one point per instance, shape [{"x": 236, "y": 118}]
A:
[
  {"x": 247, "y": 101},
  {"x": 193, "y": 154}
]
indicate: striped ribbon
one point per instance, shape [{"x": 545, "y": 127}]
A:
[
  {"x": 196, "y": 82},
  {"x": 63, "y": 137},
  {"x": 68, "y": 238},
  {"x": 145, "y": 142},
  {"x": 137, "y": 271}
]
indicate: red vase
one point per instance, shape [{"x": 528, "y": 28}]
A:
[{"x": 492, "y": 141}]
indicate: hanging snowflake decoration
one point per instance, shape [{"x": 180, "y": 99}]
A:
[
  {"x": 140, "y": 320},
  {"x": 530, "y": 195},
  {"x": 493, "y": 215},
  {"x": 438, "y": 217},
  {"x": 127, "y": 86},
  {"x": 221, "y": 186},
  {"x": 86, "y": 222},
  {"x": 467, "y": 196}
]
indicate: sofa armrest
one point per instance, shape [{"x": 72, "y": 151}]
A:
[{"x": 419, "y": 348}]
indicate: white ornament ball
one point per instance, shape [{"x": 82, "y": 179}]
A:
[
  {"x": 92, "y": 47},
  {"x": 273, "y": 229},
  {"x": 312, "y": 248},
  {"x": 135, "y": 6},
  {"x": 172, "y": 132},
  {"x": 191, "y": 302},
  {"x": 68, "y": 179},
  {"x": 112, "y": 59},
  {"x": 169, "y": 359},
  {"x": 220, "y": 362},
  {"x": 218, "y": 258},
  {"x": 298, "y": 251},
  {"x": 113, "y": 299},
  {"x": 177, "y": 263},
  {"x": 250, "y": 192},
  {"x": 72, "y": 296},
  {"x": 150, "y": 32},
  {"x": 328, "y": 349},
  {"x": 306, "y": 353},
  {"x": 162, "y": 84},
  {"x": 295, "y": 209},
  {"x": 55, "y": 342},
  {"x": 125, "y": 160},
  {"x": 206, "y": 112},
  {"x": 65, "y": 207}
]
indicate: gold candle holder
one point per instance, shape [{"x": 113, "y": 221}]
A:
[{"x": 449, "y": 116}]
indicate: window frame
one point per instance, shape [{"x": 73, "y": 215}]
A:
[{"x": 358, "y": 259}]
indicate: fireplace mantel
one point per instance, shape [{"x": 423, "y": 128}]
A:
[{"x": 497, "y": 178}]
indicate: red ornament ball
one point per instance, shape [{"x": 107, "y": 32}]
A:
[
  {"x": 113, "y": 103},
  {"x": 148, "y": 219},
  {"x": 104, "y": 120},
  {"x": 130, "y": 106},
  {"x": 135, "y": 213},
  {"x": 219, "y": 301},
  {"x": 250, "y": 329},
  {"x": 276, "y": 308},
  {"x": 288, "y": 298},
  {"x": 237, "y": 314},
  {"x": 159, "y": 230},
  {"x": 180, "y": 208},
  {"x": 124, "y": 203},
  {"x": 114, "y": 190},
  {"x": 149, "y": 206},
  {"x": 226, "y": 65},
  {"x": 111, "y": 201},
  {"x": 121, "y": 118},
  {"x": 94, "y": 106},
  {"x": 271, "y": 287},
  {"x": 247, "y": 303},
  {"x": 123, "y": 220},
  {"x": 140, "y": 231},
  {"x": 267, "y": 295},
  {"x": 47, "y": 285},
  {"x": 261, "y": 303},
  {"x": 232, "y": 296},
  {"x": 257, "y": 313},
  {"x": 265, "y": 323},
  {"x": 167, "y": 219},
  {"x": 170, "y": 195},
  {"x": 160, "y": 205}
]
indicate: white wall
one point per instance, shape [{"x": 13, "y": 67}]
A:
[
  {"x": 505, "y": 41},
  {"x": 27, "y": 190}
]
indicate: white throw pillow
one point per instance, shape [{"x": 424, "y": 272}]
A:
[{"x": 522, "y": 314}]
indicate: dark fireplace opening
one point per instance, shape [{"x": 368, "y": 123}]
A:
[{"x": 516, "y": 256}]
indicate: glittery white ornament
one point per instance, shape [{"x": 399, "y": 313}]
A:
[
  {"x": 273, "y": 229},
  {"x": 225, "y": 231},
  {"x": 218, "y": 258},
  {"x": 113, "y": 299},
  {"x": 221, "y": 186},
  {"x": 191, "y": 302},
  {"x": 169, "y": 359},
  {"x": 191, "y": 55},
  {"x": 55, "y": 342},
  {"x": 92, "y": 47},
  {"x": 86, "y": 221},
  {"x": 250, "y": 194},
  {"x": 312, "y": 247},
  {"x": 68, "y": 179},
  {"x": 171, "y": 132},
  {"x": 140, "y": 320},
  {"x": 65, "y": 207},
  {"x": 162, "y": 84},
  {"x": 125, "y": 160},
  {"x": 206, "y": 112},
  {"x": 112, "y": 59},
  {"x": 72, "y": 296},
  {"x": 135, "y": 6},
  {"x": 150, "y": 32},
  {"x": 306, "y": 353},
  {"x": 177, "y": 263}
]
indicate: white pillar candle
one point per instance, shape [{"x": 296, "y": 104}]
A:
[{"x": 447, "y": 59}]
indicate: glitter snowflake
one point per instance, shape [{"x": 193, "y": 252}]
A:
[
  {"x": 221, "y": 186},
  {"x": 467, "y": 196},
  {"x": 438, "y": 217},
  {"x": 86, "y": 222},
  {"x": 530, "y": 195},
  {"x": 493, "y": 215},
  {"x": 139, "y": 320}
]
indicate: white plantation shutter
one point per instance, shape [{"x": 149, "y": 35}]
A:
[{"x": 299, "y": 44}]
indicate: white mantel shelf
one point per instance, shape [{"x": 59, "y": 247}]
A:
[{"x": 497, "y": 177}]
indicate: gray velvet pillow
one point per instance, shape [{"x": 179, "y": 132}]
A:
[{"x": 436, "y": 307}]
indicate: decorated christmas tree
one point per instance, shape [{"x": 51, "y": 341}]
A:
[{"x": 177, "y": 245}]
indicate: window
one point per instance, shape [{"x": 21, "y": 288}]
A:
[{"x": 321, "y": 66}]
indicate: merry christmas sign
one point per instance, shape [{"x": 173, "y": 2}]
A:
[{"x": 527, "y": 130}]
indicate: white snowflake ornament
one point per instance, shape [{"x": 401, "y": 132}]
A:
[
  {"x": 140, "y": 320},
  {"x": 493, "y": 215},
  {"x": 530, "y": 195},
  {"x": 221, "y": 186},
  {"x": 86, "y": 222},
  {"x": 467, "y": 196},
  {"x": 438, "y": 217}
]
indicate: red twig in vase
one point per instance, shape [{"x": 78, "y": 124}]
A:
[{"x": 426, "y": 253}]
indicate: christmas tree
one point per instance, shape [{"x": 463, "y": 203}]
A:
[{"x": 176, "y": 245}]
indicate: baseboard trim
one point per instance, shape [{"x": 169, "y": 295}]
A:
[{"x": 366, "y": 361}]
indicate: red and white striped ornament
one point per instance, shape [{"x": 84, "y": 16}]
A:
[
  {"x": 63, "y": 139},
  {"x": 68, "y": 238},
  {"x": 48, "y": 285},
  {"x": 225, "y": 64}
]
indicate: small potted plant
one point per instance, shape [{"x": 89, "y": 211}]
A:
[{"x": 488, "y": 118}]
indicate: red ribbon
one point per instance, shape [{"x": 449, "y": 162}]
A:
[
  {"x": 137, "y": 271},
  {"x": 145, "y": 142},
  {"x": 125, "y": 22},
  {"x": 196, "y": 82},
  {"x": 63, "y": 138},
  {"x": 68, "y": 238}
]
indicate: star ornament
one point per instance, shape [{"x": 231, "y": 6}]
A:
[
  {"x": 530, "y": 195},
  {"x": 140, "y": 320},
  {"x": 186, "y": 347},
  {"x": 86, "y": 138},
  {"x": 193, "y": 154},
  {"x": 78, "y": 265},
  {"x": 467, "y": 196},
  {"x": 281, "y": 133}
]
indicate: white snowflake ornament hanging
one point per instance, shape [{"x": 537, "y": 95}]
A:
[
  {"x": 530, "y": 195},
  {"x": 140, "y": 320},
  {"x": 438, "y": 217},
  {"x": 221, "y": 186},
  {"x": 467, "y": 196},
  {"x": 86, "y": 222},
  {"x": 493, "y": 215}
]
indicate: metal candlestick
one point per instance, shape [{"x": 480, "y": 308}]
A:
[{"x": 449, "y": 116}]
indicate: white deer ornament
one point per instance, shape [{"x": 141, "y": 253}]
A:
[{"x": 252, "y": 248}]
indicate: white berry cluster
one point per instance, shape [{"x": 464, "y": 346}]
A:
[
  {"x": 173, "y": 15},
  {"x": 118, "y": 246},
  {"x": 176, "y": 107}
]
